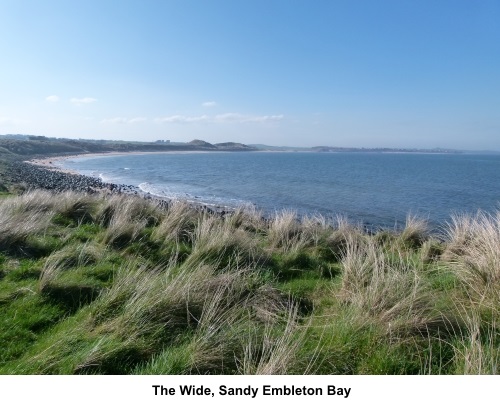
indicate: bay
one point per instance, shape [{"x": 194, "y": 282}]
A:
[{"x": 373, "y": 189}]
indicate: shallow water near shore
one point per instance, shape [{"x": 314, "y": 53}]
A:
[{"x": 375, "y": 189}]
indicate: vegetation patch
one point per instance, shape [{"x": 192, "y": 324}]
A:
[{"x": 96, "y": 284}]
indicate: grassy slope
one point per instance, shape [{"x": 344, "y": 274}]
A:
[{"x": 117, "y": 285}]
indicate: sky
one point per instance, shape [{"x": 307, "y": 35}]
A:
[{"x": 349, "y": 73}]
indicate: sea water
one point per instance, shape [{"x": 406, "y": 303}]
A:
[{"x": 373, "y": 189}]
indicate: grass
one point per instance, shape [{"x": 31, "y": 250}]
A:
[{"x": 117, "y": 285}]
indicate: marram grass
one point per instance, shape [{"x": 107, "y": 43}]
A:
[{"x": 118, "y": 285}]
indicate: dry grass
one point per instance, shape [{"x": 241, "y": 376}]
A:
[
  {"x": 126, "y": 217},
  {"x": 315, "y": 228},
  {"x": 225, "y": 306},
  {"x": 31, "y": 201},
  {"x": 390, "y": 292},
  {"x": 76, "y": 206},
  {"x": 342, "y": 234},
  {"x": 247, "y": 218},
  {"x": 271, "y": 353},
  {"x": 474, "y": 251},
  {"x": 217, "y": 241},
  {"x": 170, "y": 297},
  {"x": 159, "y": 305},
  {"x": 78, "y": 255},
  {"x": 178, "y": 223},
  {"x": 457, "y": 233},
  {"x": 22, "y": 217},
  {"x": 288, "y": 235},
  {"x": 283, "y": 232},
  {"x": 477, "y": 351},
  {"x": 415, "y": 232}
]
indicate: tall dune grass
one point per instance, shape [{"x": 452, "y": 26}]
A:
[
  {"x": 24, "y": 217},
  {"x": 217, "y": 241},
  {"x": 474, "y": 251},
  {"x": 126, "y": 217},
  {"x": 477, "y": 349},
  {"x": 113, "y": 284},
  {"x": 390, "y": 290},
  {"x": 178, "y": 223}
]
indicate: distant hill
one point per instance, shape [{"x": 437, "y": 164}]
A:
[
  {"x": 30, "y": 145},
  {"x": 226, "y": 146},
  {"x": 344, "y": 149},
  {"x": 260, "y": 146},
  {"x": 233, "y": 146},
  {"x": 13, "y": 145},
  {"x": 202, "y": 144}
]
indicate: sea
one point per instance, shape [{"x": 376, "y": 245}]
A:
[{"x": 374, "y": 190}]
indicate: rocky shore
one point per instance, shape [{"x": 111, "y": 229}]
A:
[{"x": 33, "y": 176}]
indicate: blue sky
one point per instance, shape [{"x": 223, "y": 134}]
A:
[{"x": 342, "y": 73}]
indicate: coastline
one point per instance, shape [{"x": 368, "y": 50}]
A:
[
  {"x": 50, "y": 162},
  {"x": 44, "y": 173},
  {"x": 186, "y": 178}
]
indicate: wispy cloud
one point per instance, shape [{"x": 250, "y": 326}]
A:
[
  {"x": 242, "y": 118},
  {"x": 137, "y": 119},
  {"x": 183, "y": 119},
  {"x": 122, "y": 120},
  {"x": 209, "y": 104},
  {"x": 115, "y": 120},
  {"x": 220, "y": 118},
  {"x": 52, "y": 99},
  {"x": 84, "y": 100}
]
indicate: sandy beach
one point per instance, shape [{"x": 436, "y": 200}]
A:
[{"x": 51, "y": 163}]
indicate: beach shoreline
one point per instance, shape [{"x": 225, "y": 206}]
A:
[
  {"x": 45, "y": 173},
  {"x": 50, "y": 162}
]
